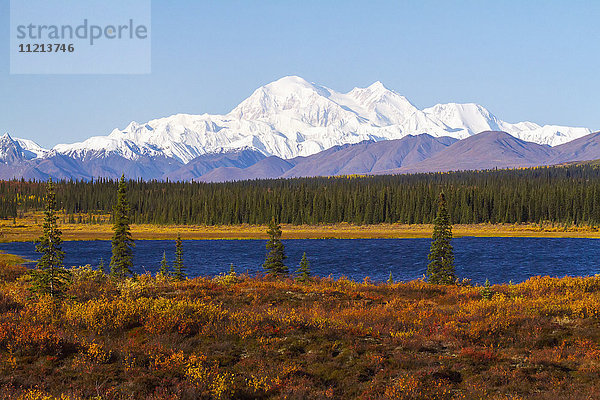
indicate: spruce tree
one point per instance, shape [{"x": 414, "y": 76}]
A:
[
  {"x": 303, "y": 270},
  {"x": 122, "y": 242},
  {"x": 101, "y": 266},
  {"x": 441, "y": 256},
  {"x": 178, "y": 269},
  {"x": 164, "y": 267},
  {"x": 486, "y": 291},
  {"x": 50, "y": 277},
  {"x": 274, "y": 261}
]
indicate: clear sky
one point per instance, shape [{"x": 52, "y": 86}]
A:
[{"x": 523, "y": 60}]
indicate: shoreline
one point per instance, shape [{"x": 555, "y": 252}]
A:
[
  {"x": 12, "y": 259},
  {"x": 25, "y": 230}
]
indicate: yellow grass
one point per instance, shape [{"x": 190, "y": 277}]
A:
[
  {"x": 11, "y": 259},
  {"x": 28, "y": 228}
]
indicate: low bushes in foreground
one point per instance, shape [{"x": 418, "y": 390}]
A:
[{"x": 243, "y": 337}]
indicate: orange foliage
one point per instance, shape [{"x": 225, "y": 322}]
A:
[{"x": 332, "y": 338}]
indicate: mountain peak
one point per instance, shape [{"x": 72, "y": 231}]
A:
[
  {"x": 10, "y": 151},
  {"x": 290, "y": 94},
  {"x": 376, "y": 89},
  {"x": 377, "y": 86},
  {"x": 290, "y": 80},
  {"x": 293, "y": 117},
  {"x": 289, "y": 86},
  {"x": 292, "y": 86}
]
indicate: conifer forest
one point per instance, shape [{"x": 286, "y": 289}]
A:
[{"x": 562, "y": 194}]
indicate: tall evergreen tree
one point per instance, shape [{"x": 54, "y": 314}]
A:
[
  {"x": 50, "y": 277},
  {"x": 122, "y": 242},
  {"x": 303, "y": 270},
  {"x": 276, "y": 255},
  {"x": 164, "y": 267},
  {"x": 178, "y": 269},
  {"x": 441, "y": 255}
]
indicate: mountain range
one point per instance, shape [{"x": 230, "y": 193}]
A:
[{"x": 291, "y": 128}]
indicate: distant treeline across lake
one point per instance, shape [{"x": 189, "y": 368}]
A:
[{"x": 563, "y": 194}]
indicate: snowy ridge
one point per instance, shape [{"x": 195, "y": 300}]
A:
[
  {"x": 14, "y": 149},
  {"x": 292, "y": 117}
]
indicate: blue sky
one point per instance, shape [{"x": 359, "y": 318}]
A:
[{"x": 523, "y": 60}]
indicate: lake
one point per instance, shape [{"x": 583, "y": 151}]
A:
[{"x": 498, "y": 259}]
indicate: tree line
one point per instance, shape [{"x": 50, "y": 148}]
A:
[
  {"x": 565, "y": 195},
  {"x": 440, "y": 270},
  {"x": 51, "y": 277}
]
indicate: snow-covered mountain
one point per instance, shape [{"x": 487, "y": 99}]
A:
[
  {"x": 292, "y": 117},
  {"x": 14, "y": 149}
]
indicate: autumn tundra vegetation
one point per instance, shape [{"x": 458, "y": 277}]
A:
[
  {"x": 240, "y": 337},
  {"x": 83, "y": 333}
]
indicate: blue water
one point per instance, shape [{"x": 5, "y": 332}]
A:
[{"x": 498, "y": 259}]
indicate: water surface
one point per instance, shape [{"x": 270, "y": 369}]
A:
[{"x": 499, "y": 259}]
